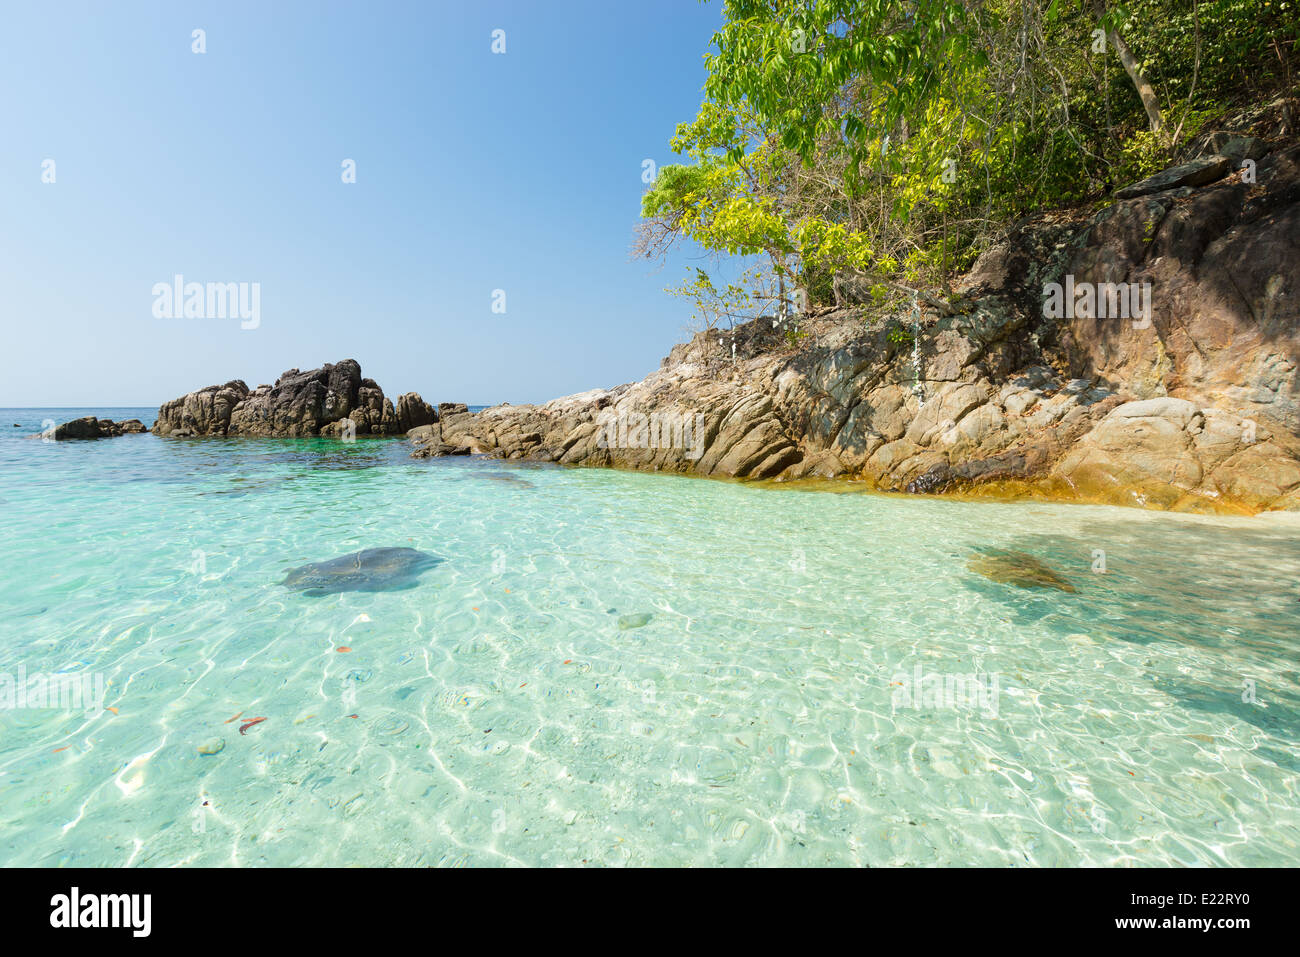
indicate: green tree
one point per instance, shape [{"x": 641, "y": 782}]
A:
[{"x": 896, "y": 138}]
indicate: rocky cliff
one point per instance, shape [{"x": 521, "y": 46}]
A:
[
  {"x": 320, "y": 402},
  {"x": 1142, "y": 354}
]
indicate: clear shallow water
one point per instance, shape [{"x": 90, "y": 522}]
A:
[{"x": 498, "y": 713}]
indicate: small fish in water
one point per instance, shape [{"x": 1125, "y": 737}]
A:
[
  {"x": 638, "y": 620},
  {"x": 371, "y": 569},
  {"x": 243, "y": 728},
  {"x": 1021, "y": 569}
]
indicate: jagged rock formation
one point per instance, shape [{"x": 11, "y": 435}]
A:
[
  {"x": 89, "y": 427},
  {"x": 319, "y": 402},
  {"x": 1194, "y": 405}
]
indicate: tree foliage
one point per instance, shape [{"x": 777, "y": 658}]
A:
[{"x": 897, "y": 137}]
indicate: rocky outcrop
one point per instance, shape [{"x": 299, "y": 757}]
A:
[
  {"x": 428, "y": 443},
  {"x": 205, "y": 412},
  {"x": 413, "y": 412},
  {"x": 1204, "y": 169},
  {"x": 1192, "y": 404},
  {"x": 333, "y": 400},
  {"x": 89, "y": 427}
]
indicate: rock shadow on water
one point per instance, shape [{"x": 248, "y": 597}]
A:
[
  {"x": 331, "y": 456},
  {"x": 370, "y": 570},
  {"x": 1275, "y": 712},
  {"x": 1107, "y": 606},
  {"x": 1230, "y": 590}
]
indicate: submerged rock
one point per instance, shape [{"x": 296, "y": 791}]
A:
[
  {"x": 1009, "y": 567},
  {"x": 507, "y": 479},
  {"x": 371, "y": 569}
]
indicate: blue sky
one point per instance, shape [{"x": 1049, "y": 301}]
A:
[{"x": 475, "y": 171}]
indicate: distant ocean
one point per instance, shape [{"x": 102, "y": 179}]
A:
[
  {"x": 36, "y": 420},
  {"x": 22, "y": 422}
]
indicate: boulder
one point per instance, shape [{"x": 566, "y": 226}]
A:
[
  {"x": 413, "y": 412},
  {"x": 1198, "y": 172},
  {"x": 205, "y": 412},
  {"x": 316, "y": 402},
  {"x": 89, "y": 427},
  {"x": 300, "y": 403}
]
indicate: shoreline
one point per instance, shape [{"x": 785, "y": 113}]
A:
[{"x": 1042, "y": 491}]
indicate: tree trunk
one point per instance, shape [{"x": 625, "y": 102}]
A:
[{"x": 1144, "y": 89}]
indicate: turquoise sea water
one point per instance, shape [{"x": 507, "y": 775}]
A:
[{"x": 612, "y": 668}]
